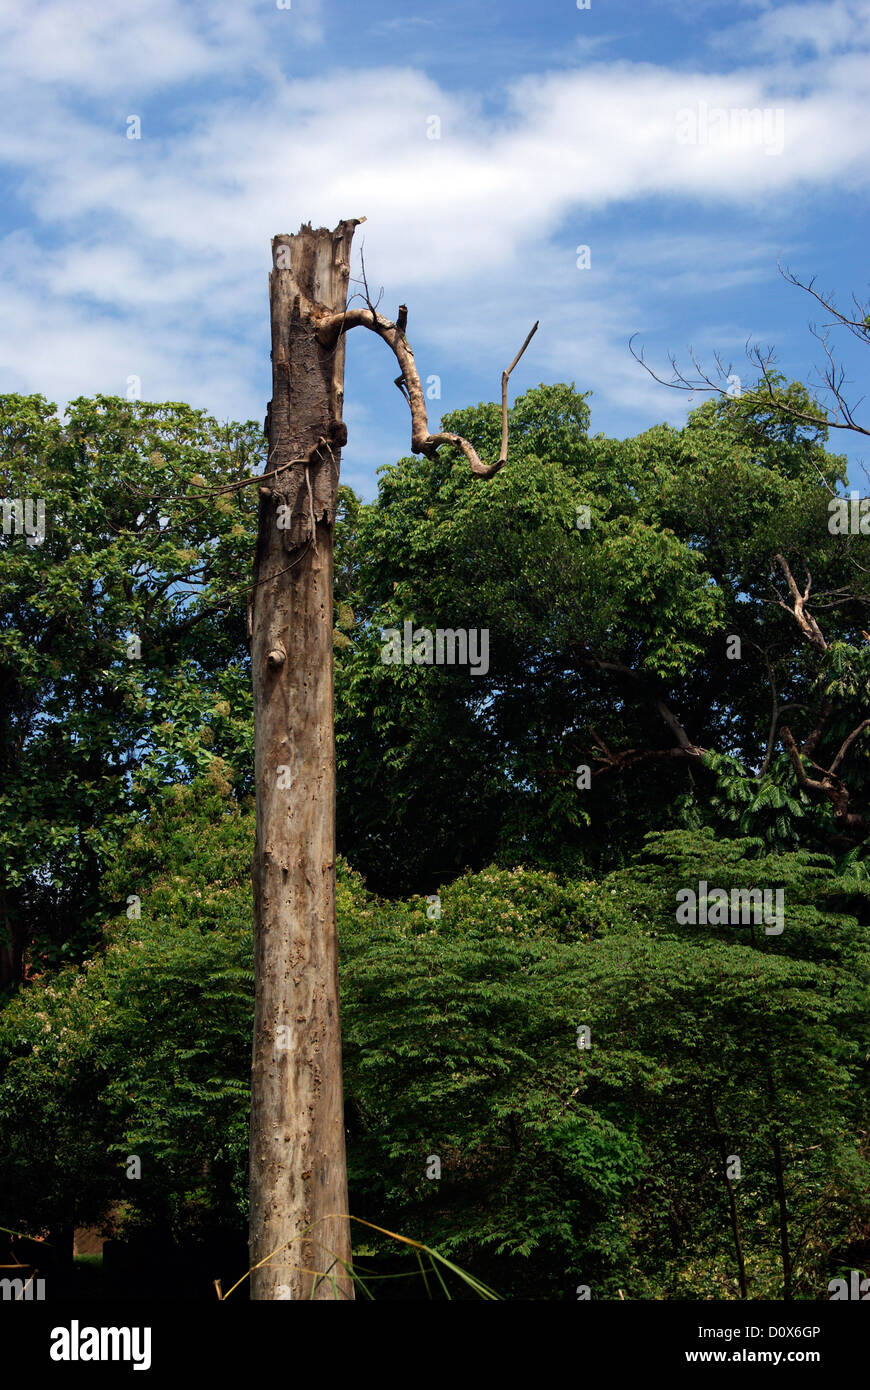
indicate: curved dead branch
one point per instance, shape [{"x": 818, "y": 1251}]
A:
[
  {"x": 828, "y": 786},
  {"x": 331, "y": 326}
]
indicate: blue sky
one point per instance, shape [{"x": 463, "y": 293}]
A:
[{"x": 559, "y": 127}]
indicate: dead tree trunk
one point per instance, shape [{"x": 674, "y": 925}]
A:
[
  {"x": 297, "y": 1157},
  {"x": 299, "y": 1232}
]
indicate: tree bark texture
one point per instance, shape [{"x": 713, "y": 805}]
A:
[{"x": 298, "y": 1180}]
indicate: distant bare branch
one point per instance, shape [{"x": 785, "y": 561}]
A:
[{"x": 832, "y": 378}]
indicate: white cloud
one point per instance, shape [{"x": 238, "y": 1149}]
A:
[
  {"x": 820, "y": 28},
  {"x": 466, "y": 204},
  {"x": 101, "y": 48},
  {"x": 150, "y": 256}
]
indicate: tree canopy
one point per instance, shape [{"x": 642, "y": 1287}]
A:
[{"x": 675, "y": 699}]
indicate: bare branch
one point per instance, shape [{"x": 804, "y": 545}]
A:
[
  {"x": 504, "y": 399},
  {"x": 684, "y": 748},
  {"x": 833, "y": 379},
  {"x": 331, "y": 326},
  {"x": 804, "y": 619},
  {"x": 847, "y": 744},
  {"x": 858, "y": 327},
  {"x": 828, "y": 787},
  {"x": 629, "y": 757}
]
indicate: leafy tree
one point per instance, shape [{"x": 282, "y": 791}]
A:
[
  {"x": 559, "y": 1164},
  {"x": 144, "y": 1048},
  {"x": 126, "y": 829},
  {"x": 146, "y": 539},
  {"x": 665, "y": 646}
]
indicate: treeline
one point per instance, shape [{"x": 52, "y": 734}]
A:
[{"x": 550, "y": 1074}]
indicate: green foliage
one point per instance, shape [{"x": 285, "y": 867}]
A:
[
  {"x": 603, "y": 638},
  {"x": 137, "y": 544},
  {"x": 559, "y": 1164},
  {"x": 139, "y": 1051},
  {"x": 128, "y": 779}
]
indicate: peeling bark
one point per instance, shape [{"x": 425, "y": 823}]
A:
[{"x": 297, "y": 1158}]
